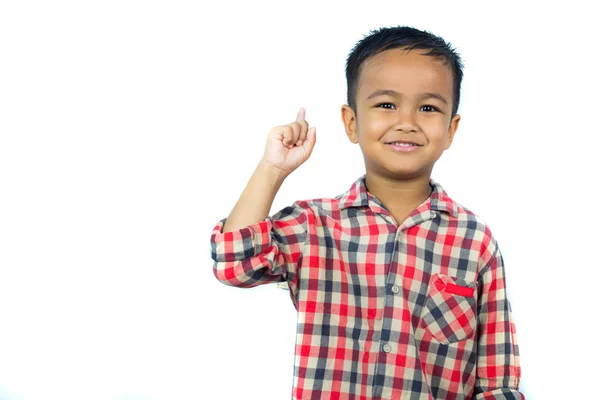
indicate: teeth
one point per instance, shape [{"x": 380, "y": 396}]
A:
[{"x": 403, "y": 144}]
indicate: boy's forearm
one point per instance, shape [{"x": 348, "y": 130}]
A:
[{"x": 257, "y": 198}]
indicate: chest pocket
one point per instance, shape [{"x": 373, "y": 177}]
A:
[{"x": 449, "y": 312}]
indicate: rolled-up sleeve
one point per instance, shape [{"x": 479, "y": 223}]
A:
[
  {"x": 498, "y": 368},
  {"x": 264, "y": 252}
]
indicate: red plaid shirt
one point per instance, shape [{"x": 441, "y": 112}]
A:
[{"x": 415, "y": 311}]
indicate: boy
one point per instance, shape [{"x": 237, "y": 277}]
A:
[{"x": 400, "y": 290}]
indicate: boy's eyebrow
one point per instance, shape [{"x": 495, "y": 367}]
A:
[{"x": 390, "y": 92}]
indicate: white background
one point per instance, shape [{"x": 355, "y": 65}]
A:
[{"x": 129, "y": 128}]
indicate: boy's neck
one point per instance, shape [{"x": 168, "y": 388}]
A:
[{"x": 398, "y": 196}]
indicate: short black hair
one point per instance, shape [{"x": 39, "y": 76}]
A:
[{"x": 407, "y": 37}]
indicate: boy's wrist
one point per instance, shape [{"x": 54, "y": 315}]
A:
[{"x": 274, "y": 174}]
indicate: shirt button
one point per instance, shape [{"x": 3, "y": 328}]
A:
[
  {"x": 387, "y": 348},
  {"x": 395, "y": 289}
]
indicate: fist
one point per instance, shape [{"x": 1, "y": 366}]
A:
[{"x": 289, "y": 146}]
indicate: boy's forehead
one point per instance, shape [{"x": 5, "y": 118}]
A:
[{"x": 406, "y": 72}]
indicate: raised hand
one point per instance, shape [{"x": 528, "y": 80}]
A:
[{"x": 289, "y": 146}]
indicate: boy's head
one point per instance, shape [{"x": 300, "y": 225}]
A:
[{"x": 403, "y": 84}]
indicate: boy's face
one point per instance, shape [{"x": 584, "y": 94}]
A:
[{"x": 411, "y": 113}]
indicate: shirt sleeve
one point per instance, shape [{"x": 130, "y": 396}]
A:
[
  {"x": 265, "y": 252},
  {"x": 498, "y": 368}
]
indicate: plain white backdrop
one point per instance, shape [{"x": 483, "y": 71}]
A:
[{"x": 129, "y": 128}]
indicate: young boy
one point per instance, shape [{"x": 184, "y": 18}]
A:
[{"x": 400, "y": 290}]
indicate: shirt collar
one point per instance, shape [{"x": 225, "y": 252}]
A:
[{"x": 358, "y": 196}]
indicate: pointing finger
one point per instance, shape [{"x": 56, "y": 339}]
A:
[{"x": 301, "y": 114}]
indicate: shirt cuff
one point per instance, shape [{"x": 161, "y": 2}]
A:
[
  {"x": 501, "y": 394},
  {"x": 242, "y": 243}
]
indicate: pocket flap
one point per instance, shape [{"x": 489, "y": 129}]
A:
[
  {"x": 451, "y": 285},
  {"x": 460, "y": 290}
]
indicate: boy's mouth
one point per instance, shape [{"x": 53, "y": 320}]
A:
[
  {"x": 402, "y": 142},
  {"x": 404, "y": 147}
]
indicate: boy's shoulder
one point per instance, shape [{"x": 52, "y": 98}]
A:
[
  {"x": 358, "y": 197},
  {"x": 474, "y": 227}
]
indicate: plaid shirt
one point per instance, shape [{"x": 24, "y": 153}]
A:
[{"x": 415, "y": 311}]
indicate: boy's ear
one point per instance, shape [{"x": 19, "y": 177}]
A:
[
  {"x": 452, "y": 129},
  {"x": 349, "y": 120}
]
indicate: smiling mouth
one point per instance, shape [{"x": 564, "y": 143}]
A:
[
  {"x": 404, "y": 144},
  {"x": 404, "y": 147}
]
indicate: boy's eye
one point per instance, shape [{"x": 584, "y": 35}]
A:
[
  {"x": 429, "y": 108},
  {"x": 383, "y": 104}
]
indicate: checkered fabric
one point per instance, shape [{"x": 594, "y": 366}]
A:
[{"x": 416, "y": 310}]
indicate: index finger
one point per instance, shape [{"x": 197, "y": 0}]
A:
[{"x": 301, "y": 114}]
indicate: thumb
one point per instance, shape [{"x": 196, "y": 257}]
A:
[{"x": 311, "y": 139}]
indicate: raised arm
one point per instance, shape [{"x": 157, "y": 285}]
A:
[
  {"x": 249, "y": 248},
  {"x": 288, "y": 146}
]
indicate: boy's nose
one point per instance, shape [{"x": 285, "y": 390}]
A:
[{"x": 405, "y": 121}]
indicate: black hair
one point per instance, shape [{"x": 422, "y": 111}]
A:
[{"x": 407, "y": 37}]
